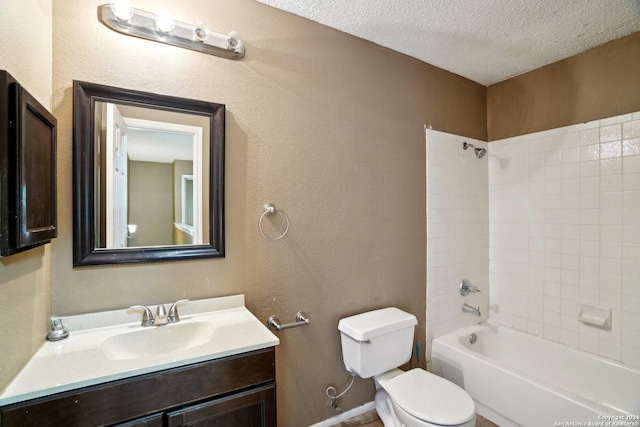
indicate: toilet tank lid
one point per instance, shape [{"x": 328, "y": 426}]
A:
[{"x": 372, "y": 324}]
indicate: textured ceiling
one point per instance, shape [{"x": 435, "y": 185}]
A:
[{"x": 486, "y": 41}]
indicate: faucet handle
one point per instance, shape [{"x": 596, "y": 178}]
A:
[
  {"x": 173, "y": 316},
  {"x": 466, "y": 287},
  {"x": 147, "y": 316}
]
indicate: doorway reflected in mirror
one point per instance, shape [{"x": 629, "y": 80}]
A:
[{"x": 153, "y": 173}]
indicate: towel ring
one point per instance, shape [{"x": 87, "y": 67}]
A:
[{"x": 270, "y": 209}]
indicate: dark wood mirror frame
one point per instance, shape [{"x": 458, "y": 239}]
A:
[{"x": 85, "y": 253}]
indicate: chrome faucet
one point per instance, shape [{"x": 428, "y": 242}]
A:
[
  {"x": 473, "y": 310},
  {"x": 161, "y": 317}
]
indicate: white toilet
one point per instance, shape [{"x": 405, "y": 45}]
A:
[{"x": 375, "y": 344}]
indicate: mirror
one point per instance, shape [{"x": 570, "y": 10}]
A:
[{"x": 148, "y": 177}]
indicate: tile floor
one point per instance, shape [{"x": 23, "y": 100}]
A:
[{"x": 370, "y": 419}]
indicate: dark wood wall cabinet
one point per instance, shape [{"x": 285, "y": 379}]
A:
[
  {"x": 236, "y": 391},
  {"x": 27, "y": 170}
]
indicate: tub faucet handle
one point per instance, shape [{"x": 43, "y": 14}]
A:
[{"x": 466, "y": 287}]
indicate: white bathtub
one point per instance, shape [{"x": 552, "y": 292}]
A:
[{"x": 517, "y": 379}]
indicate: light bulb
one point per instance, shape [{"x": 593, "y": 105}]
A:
[
  {"x": 201, "y": 32},
  {"x": 165, "y": 22},
  {"x": 122, "y": 9},
  {"x": 234, "y": 41}
]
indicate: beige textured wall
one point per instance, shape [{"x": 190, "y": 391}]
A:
[
  {"x": 25, "y": 279},
  {"x": 601, "y": 82},
  {"x": 327, "y": 127},
  {"x": 25, "y": 46}
]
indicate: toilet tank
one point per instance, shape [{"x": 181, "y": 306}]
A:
[{"x": 376, "y": 341}]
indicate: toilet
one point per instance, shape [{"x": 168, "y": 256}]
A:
[{"x": 375, "y": 344}]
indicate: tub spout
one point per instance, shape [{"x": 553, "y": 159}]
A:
[{"x": 473, "y": 310}]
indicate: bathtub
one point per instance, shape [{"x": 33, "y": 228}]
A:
[{"x": 517, "y": 379}]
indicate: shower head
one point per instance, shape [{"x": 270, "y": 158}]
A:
[{"x": 480, "y": 152}]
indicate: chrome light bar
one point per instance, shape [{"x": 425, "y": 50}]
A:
[{"x": 157, "y": 28}]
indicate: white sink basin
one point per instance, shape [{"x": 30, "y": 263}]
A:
[
  {"x": 109, "y": 346},
  {"x": 155, "y": 340}
]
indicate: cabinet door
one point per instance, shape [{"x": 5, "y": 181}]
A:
[
  {"x": 254, "y": 408},
  {"x": 36, "y": 172},
  {"x": 27, "y": 170}
]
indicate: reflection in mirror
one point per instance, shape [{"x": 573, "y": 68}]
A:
[
  {"x": 148, "y": 171},
  {"x": 152, "y": 177}
]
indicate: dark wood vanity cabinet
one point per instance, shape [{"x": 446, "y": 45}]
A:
[{"x": 236, "y": 391}]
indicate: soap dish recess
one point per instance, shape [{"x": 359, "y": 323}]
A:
[{"x": 594, "y": 315}]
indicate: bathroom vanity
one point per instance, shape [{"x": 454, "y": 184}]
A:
[
  {"x": 232, "y": 391},
  {"x": 222, "y": 373}
]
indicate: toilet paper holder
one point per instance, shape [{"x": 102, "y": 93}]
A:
[{"x": 301, "y": 320}]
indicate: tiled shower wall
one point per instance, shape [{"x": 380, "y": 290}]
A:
[
  {"x": 457, "y": 232},
  {"x": 565, "y": 229}
]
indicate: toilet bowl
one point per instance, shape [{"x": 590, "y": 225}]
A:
[
  {"x": 375, "y": 344},
  {"x": 420, "y": 399}
]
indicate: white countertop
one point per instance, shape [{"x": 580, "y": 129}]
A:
[{"x": 79, "y": 360}]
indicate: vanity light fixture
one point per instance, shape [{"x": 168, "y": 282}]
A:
[{"x": 120, "y": 16}]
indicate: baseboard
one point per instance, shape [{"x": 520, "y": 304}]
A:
[{"x": 346, "y": 415}]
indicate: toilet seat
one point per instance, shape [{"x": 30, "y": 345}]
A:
[{"x": 430, "y": 398}]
